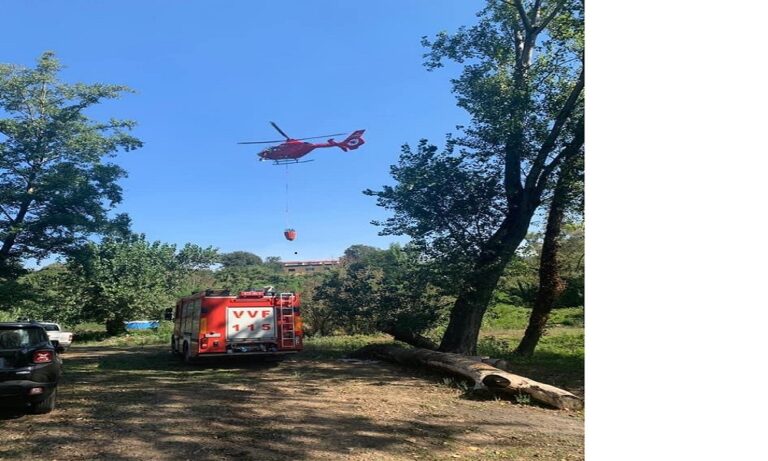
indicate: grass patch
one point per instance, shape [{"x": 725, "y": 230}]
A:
[
  {"x": 87, "y": 335},
  {"x": 508, "y": 317},
  {"x": 558, "y": 359},
  {"x": 149, "y": 359},
  {"x": 135, "y": 338},
  {"x": 339, "y": 346},
  {"x": 315, "y": 346}
]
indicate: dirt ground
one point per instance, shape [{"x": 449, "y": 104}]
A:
[{"x": 142, "y": 403}]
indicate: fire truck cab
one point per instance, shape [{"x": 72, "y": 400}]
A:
[{"x": 215, "y": 323}]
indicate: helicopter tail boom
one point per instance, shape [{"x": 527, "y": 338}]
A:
[{"x": 352, "y": 142}]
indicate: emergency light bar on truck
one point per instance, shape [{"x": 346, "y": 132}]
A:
[{"x": 256, "y": 322}]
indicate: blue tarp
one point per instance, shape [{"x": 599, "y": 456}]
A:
[{"x": 142, "y": 324}]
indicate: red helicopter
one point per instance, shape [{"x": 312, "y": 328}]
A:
[{"x": 291, "y": 150}]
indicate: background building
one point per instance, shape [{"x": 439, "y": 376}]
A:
[{"x": 303, "y": 267}]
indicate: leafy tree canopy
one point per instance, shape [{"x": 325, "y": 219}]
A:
[
  {"x": 55, "y": 187},
  {"x": 522, "y": 84},
  {"x": 239, "y": 259},
  {"x": 240, "y": 278},
  {"x": 388, "y": 291},
  {"x": 52, "y": 294},
  {"x": 125, "y": 279},
  {"x": 519, "y": 284},
  {"x": 451, "y": 201},
  {"x": 446, "y": 202}
]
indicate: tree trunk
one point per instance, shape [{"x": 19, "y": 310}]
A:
[
  {"x": 467, "y": 314},
  {"x": 10, "y": 239},
  {"x": 115, "y": 326},
  {"x": 551, "y": 285},
  {"x": 483, "y": 375}
]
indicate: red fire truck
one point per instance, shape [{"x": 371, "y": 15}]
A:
[{"x": 215, "y": 323}]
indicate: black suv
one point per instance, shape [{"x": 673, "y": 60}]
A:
[{"x": 30, "y": 366}]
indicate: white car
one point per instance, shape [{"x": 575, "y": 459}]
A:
[{"x": 57, "y": 337}]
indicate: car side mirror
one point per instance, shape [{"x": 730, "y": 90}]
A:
[{"x": 168, "y": 315}]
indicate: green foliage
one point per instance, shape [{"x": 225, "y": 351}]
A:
[
  {"x": 571, "y": 254},
  {"x": 467, "y": 206},
  {"x": 239, "y": 259},
  {"x": 195, "y": 281},
  {"x": 447, "y": 202},
  {"x": 9, "y": 316},
  {"x": 523, "y": 399},
  {"x": 121, "y": 279},
  {"x": 317, "y": 314},
  {"x": 381, "y": 290},
  {"x": 126, "y": 279},
  {"x": 11, "y": 290},
  {"x": 562, "y": 345},
  {"x": 558, "y": 359},
  {"x": 508, "y": 317},
  {"x": 351, "y": 295},
  {"x": 520, "y": 282},
  {"x": 451, "y": 202},
  {"x": 274, "y": 263},
  {"x": 573, "y": 295},
  {"x": 517, "y": 74},
  {"x": 523, "y": 294},
  {"x": 238, "y": 278},
  {"x": 159, "y": 336},
  {"x": 569, "y": 316},
  {"x": 55, "y": 187},
  {"x": 465, "y": 387},
  {"x": 52, "y": 295},
  {"x": 359, "y": 253},
  {"x": 409, "y": 299},
  {"x": 571, "y": 259}
]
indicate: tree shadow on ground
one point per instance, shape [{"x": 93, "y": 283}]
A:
[{"x": 126, "y": 403}]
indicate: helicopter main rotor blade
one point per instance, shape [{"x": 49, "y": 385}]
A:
[
  {"x": 322, "y": 136},
  {"x": 261, "y": 142},
  {"x": 279, "y": 130}
]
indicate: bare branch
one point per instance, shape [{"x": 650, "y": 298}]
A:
[
  {"x": 550, "y": 16},
  {"x": 568, "y": 151},
  {"x": 6, "y": 213},
  {"x": 535, "y": 11},
  {"x": 545, "y": 76},
  {"x": 523, "y": 16},
  {"x": 549, "y": 144}
]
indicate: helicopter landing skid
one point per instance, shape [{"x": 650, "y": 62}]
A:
[{"x": 290, "y": 162}]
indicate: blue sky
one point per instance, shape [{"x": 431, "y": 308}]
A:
[{"x": 210, "y": 74}]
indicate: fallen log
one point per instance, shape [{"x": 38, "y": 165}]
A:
[{"x": 482, "y": 374}]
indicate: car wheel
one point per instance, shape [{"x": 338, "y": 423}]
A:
[{"x": 47, "y": 405}]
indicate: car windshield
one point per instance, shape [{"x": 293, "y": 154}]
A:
[
  {"x": 16, "y": 338},
  {"x": 50, "y": 326}
]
